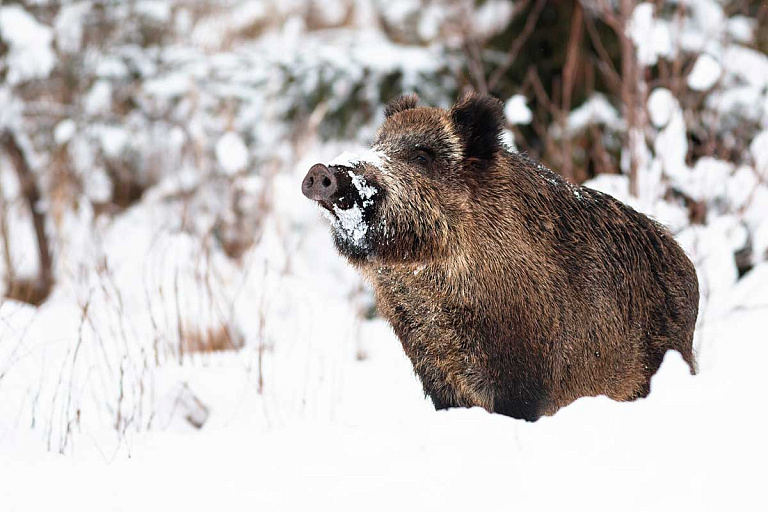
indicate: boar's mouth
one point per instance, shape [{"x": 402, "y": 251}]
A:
[
  {"x": 348, "y": 201},
  {"x": 345, "y": 196}
]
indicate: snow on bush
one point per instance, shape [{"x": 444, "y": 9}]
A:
[
  {"x": 30, "y": 54},
  {"x": 705, "y": 73},
  {"x": 231, "y": 153},
  {"x": 516, "y": 110}
]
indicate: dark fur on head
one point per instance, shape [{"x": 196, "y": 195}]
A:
[
  {"x": 404, "y": 102},
  {"x": 479, "y": 121},
  {"x": 509, "y": 288}
]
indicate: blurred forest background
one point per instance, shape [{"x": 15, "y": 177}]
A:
[{"x": 151, "y": 153}]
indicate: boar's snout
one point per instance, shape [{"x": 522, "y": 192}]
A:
[{"x": 319, "y": 184}]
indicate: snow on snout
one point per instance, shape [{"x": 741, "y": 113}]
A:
[
  {"x": 350, "y": 223},
  {"x": 369, "y": 156},
  {"x": 366, "y": 191}
]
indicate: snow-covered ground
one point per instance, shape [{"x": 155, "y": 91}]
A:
[{"x": 696, "y": 443}]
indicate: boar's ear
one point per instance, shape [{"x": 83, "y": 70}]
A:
[
  {"x": 404, "y": 102},
  {"x": 478, "y": 121}
]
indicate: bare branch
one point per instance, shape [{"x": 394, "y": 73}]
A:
[
  {"x": 569, "y": 79},
  {"x": 29, "y": 189},
  {"x": 517, "y": 45},
  {"x": 604, "y": 64}
]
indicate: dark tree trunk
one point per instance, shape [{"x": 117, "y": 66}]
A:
[{"x": 37, "y": 290}]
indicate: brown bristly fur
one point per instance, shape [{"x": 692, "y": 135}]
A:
[{"x": 509, "y": 288}]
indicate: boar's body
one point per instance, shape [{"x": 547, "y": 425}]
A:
[
  {"x": 509, "y": 288},
  {"x": 557, "y": 293}
]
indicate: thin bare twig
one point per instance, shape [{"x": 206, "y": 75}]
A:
[
  {"x": 605, "y": 64},
  {"x": 569, "y": 79},
  {"x": 517, "y": 45},
  {"x": 475, "y": 64}
]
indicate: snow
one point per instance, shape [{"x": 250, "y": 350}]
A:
[
  {"x": 231, "y": 153},
  {"x": 69, "y": 26},
  {"x": 97, "y": 186},
  {"x": 368, "y": 156},
  {"x": 169, "y": 86},
  {"x": 738, "y": 101},
  {"x": 671, "y": 144},
  {"x": 516, "y": 110},
  {"x": 709, "y": 15},
  {"x": 661, "y": 106},
  {"x": 350, "y": 224},
  {"x": 616, "y": 185},
  {"x": 399, "y": 11},
  {"x": 746, "y": 64},
  {"x": 651, "y": 38},
  {"x": 430, "y": 22},
  {"x": 332, "y": 12},
  {"x": 677, "y": 449},
  {"x": 365, "y": 191},
  {"x": 596, "y": 110},
  {"x": 111, "y": 67},
  {"x": 508, "y": 139},
  {"x": 741, "y": 29},
  {"x": 17, "y": 218},
  {"x": 30, "y": 54},
  {"x": 64, "y": 131},
  {"x": 114, "y": 139},
  {"x": 717, "y": 270},
  {"x": 708, "y": 178},
  {"x": 760, "y": 241},
  {"x": 382, "y": 56},
  {"x": 705, "y": 73},
  {"x": 759, "y": 149},
  {"x": 99, "y": 98},
  {"x": 492, "y": 17},
  {"x": 740, "y": 186},
  {"x": 157, "y": 10}
]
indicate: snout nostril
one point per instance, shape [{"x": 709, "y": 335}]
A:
[{"x": 320, "y": 183}]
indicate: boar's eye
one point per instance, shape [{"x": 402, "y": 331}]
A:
[{"x": 422, "y": 157}]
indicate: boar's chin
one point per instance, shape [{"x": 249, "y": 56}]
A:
[
  {"x": 354, "y": 252},
  {"x": 351, "y": 232}
]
